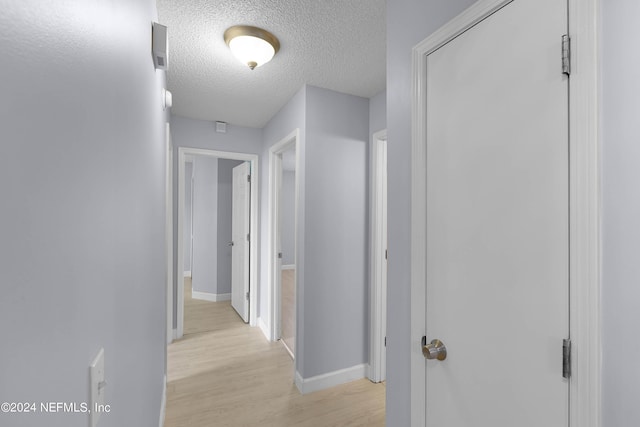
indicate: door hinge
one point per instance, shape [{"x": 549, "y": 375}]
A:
[
  {"x": 280, "y": 255},
  {"x": 248, "y": 178},
  {"x": 566, "y": 358},
  {"x": 385, "y": 341},
  {"x": 386, "y": 254},
  {"x": 566, "y": 54},
  {"x": 248, "y": 237},
  {"x": 247, "y": 296}
]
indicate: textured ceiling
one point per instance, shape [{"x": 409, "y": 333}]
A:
[{"x": 333, "y": 44}]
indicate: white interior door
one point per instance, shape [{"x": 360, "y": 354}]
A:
[
  {"x": 497, "y": 221},
  {"x": 240, "y": 236}
]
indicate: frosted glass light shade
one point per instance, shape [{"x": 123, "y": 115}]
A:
[
  {"x": 251, "y": 45},
  {"x": 251, "y": 50}
]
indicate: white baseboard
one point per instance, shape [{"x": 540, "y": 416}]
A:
[
  {"x": 289, "y": 267},
  {"x": 187, "y": 273},
  {"x": 330, "y": 379},
  {"x": 263, "y": 327},
  {"x": 206, "y": 296},
  {"x": 163, "y": 402}
]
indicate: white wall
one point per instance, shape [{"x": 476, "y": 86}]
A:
[
  {"x": 621, "y": 212},
  {"x": 408, "y": 22},
  {"x": 204, "y": 272},
  {"x": 82, "y": 231}
]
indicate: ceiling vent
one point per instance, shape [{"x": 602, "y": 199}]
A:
[{"x": 221, "y": 127}]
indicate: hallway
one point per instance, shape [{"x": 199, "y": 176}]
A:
[{"x": 225, "y": 373}]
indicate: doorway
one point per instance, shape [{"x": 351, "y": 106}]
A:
[
  {"x": 283, "y": 224},
  {"x": 251, "y": 161}
]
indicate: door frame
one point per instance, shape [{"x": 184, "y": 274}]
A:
[
  {"x": 273, "y": 329},
  {"x": 584, "y": 206},
  {"x": 378, "y": 270},
  {"x": 169, "y": 229},
  {"x": 253, "y": 242}
]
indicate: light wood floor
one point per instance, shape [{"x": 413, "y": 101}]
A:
[
  {"x": 288, "y": 307},
  {"x": 225, "y": 373}
]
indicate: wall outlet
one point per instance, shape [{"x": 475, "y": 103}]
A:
[{"x": 98, "y": 384}]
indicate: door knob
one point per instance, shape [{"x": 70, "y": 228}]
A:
[
  {"x": 434, "y": 350},
  {"x": 230, "y": 244}
]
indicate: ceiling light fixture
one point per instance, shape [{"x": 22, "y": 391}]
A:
[{"x": 251, "y": 45}]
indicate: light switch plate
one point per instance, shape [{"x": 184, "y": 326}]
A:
[{"x": 98, "y": 384}]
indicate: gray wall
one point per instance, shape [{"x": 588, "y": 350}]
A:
[
  {"x": 188, "y": 206},
  {"x": 288, "y": 217},
  {"x": 408, "y": 22},
  {"x": 621, "y": 212},
  {"x": 204, "y": 272},
  {"x": 335, "y": 291},
  {"x": 378, "y": 113},
  {"x": 202, "y": 134},
  {"x": 82, "y": 224},
  {"x": 225, "y": 199},
  {"x": 334, "y": 135}
]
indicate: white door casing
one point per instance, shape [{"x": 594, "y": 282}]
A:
[
  {"x": 273, "y": 328},
  {"x": 240, "y": 235},
  {"x": 378, "y": 292},
  {"x": 278, "y": 243},
  {"x": 584, "y": 210}
]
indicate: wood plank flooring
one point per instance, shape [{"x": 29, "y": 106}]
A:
[
  {"x": 225, "y": 373},
  {"x": 288, "y": 312}
]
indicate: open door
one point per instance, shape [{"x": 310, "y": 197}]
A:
[{"x": 240, "y": 234}]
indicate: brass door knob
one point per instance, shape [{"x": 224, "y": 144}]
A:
[{"x": 434, "y": 350}]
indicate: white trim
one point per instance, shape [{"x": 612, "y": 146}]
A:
[
  {"x": 254, "y": 243},
  {"x": 585, "y": 214},
  {"x": 263, "y": 327},
  {"x": 286, "y": 347},
  {"x": 187, "y": 273},
  {"x": 169, "y": 230},
  {"x": 273, "y": 232},
  {"x": 206, "y": 296},
  {"x": 288, "y": 267},
  {"x": 175, "y": 334},
  {"x": 163, "y": 402},
  {"x": 377, "y": 262},
  {"x": 584, "y": 263},
  {"x": 330, "y": 379}
]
